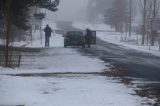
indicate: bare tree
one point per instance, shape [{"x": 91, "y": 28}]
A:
[
  {"x": 118, "y": 15},
  {"x": 149, "y": 10}
]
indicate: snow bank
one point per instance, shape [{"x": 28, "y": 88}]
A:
[{"x": 115, "y": 38}]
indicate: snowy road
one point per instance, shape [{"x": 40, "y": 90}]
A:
[{"x": 135, "y": 63}]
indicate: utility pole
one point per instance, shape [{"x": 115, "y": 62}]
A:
[
  {"x": 153, "y": 31},
  {"x": 8, "y": 28},
  {"x": 144, "y": 22},
  {"x": 130, "y": 20}
]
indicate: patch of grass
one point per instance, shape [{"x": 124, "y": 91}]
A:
[{"x": 116, "y": 72}]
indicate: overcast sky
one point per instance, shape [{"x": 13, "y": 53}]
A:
[{"x": 70, "y": 10}]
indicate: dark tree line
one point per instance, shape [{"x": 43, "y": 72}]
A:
[
  {"x": 19, "y": 10},
  {"x": 16, "y": 13}
]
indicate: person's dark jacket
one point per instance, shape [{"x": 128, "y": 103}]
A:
[
  {"x": 88, "y": 36},
  {"x": 47, "y": 31}
]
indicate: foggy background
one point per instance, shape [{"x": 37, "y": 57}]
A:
[
  {"x": 85, "y": 10},
  {"x": 70, "y": 10}
]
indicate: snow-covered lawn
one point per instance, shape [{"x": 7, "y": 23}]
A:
[
  {"x": 57, "y": 59},
  {"x": 115, "y": 38},
  {"x": 66, "y": 90},
  {"x": 105, "y": 33}
]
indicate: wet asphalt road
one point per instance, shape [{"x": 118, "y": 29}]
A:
[{"x": 135, "y": 64}]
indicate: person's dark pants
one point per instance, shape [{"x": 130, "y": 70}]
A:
[{"x": 46, "y": 41}]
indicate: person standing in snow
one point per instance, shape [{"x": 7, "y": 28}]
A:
[
  {"x": 48, "y": 32},
  {"x": 88, "y": 37}
]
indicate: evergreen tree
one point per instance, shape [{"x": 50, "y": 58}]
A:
[
  {"x": 19, "y": 10},
  {"x": 16, "y": 12}
]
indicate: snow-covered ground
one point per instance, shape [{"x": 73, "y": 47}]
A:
[
  {"x": 66, "y": 90},
  {"x": 115, "y": 38},
  {"x": 106, "y": 33},
  {"x": 57, "y": 59}
]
